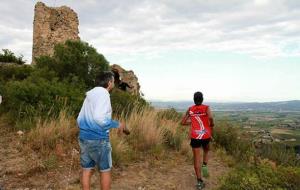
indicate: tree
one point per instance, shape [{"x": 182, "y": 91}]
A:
[
  {"x": 74, "y": 58},
  {"x": 9, "y": 57}
]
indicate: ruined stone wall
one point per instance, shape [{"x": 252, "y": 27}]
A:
[
  {"x": 128, "y": 77},
  {"x": 52, "y": 26}
]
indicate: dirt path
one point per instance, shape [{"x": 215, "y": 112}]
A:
[
  {"x": 12, "y": 161},
  {"x": 169, "y": 174},
  {"x": 174, "y": 172}
]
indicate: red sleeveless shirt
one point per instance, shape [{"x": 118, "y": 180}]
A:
[{"x": 200, "y": 128}]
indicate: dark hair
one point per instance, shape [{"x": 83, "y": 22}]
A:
[
  {"x": 198, "y": 98},
  {"x": 103, "y": 78}
]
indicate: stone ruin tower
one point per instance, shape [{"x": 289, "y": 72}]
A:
[{"x": 52, "y": 25}]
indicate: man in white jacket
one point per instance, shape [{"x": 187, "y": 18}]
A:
[{"x": 95, "y": 122}]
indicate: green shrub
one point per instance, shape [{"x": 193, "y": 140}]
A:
[
  {"x": 229, "y": 137},
  {"x": 174, "y": 134},
  {"x": 37, "y": 97},
  {"x": 261, "y": 177},
  {"x": 279, "y": 153},
  {"x": 74, "y": 58},
  {"x": 9, "y": 57},
  {"x": 124, "y": 102},
  {"x": 173, "y": 140},
  {"x": 14, "y": 72},
  {"x": 242, "y": 149},
  {"x": 170, "y": 114}
]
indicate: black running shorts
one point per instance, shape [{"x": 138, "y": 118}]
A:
[{"x": 197, "y": 143}]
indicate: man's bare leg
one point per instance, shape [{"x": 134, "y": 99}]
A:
[
  {"x": 105, "y": 180},
  {"x": 197, "y": 155},
  {"x": 205, "y": 154},
  {"x": 85, "y": 178}
]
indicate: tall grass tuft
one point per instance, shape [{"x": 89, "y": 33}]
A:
[
  {"x": 53, "y": 134},
  {"x": 145, "y": 134},
  {"x": 121, "y": 150},
  {"x": 185, "y": 149},
  {"x": 174, "y": 134}
]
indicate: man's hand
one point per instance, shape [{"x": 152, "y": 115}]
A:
[
  {"x": 186, "y": 119},
  {"x": 121, "y": 127}
]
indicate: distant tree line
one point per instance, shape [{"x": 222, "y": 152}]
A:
[{"x": 9, "y": 57}]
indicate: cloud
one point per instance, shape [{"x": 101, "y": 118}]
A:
[{"x": 260, "y": 28}]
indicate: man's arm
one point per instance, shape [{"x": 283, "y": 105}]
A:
[
  {"x": 211, "y": 120},
  {"x": 185, "y": 119},
  {"x": 114, "y": 124}
]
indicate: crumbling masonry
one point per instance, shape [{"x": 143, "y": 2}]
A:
[{"x": 52, "y": 26}]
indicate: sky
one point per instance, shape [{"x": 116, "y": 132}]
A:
[{"x": 231, "y": 50}]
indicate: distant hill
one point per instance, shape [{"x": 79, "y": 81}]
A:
[{"x": 282, "y": 106}]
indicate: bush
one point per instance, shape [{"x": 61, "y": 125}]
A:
[
  {"x": 279, "y": 170},
  {"x": 9, "y": 57},
  {"x": 261, "y": 177},
  {"x": 74, "y": 58},
  {"x": 14, "y": 72},
  {"x": 124, "y": 103},
  {"x": 32, "y": 98},
  {"x": 174, "y": 134},
  {"x": 170, "y": 114},
  {"x": 279, "y": 153},
  {"x": 242, "y": 149},
  {"x": 229, "y": 137}
]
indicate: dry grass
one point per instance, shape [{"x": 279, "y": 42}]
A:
[
  {"x": 121, "y": 151},
  {"x": 150, "y": 135},
  {"x": 226, "y": 158},
  {"x": 145, "y": 134},
  {"x": 185, "y": 149},
  {"x": 174, "y": 134},
  {"x": 54, "y": 134}
]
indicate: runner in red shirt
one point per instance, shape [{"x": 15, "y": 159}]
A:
[{"x": 199, "y": 117}]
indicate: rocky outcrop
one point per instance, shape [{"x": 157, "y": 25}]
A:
[
  {"x": 127, "y": 77},
  {"x": 52, "y": 26}
]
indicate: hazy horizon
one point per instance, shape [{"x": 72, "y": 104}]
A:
[{"x": 216, "y": 101}]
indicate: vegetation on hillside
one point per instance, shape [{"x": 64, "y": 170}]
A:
[
  {"x": 256, "y": 166},
  {"x": 55, "y": 83},
  {"x": 9, "y": 57},
  {"x": 45, "y": 99}
]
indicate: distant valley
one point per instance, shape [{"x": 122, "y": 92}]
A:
[{"x": 282, "y": 106}]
